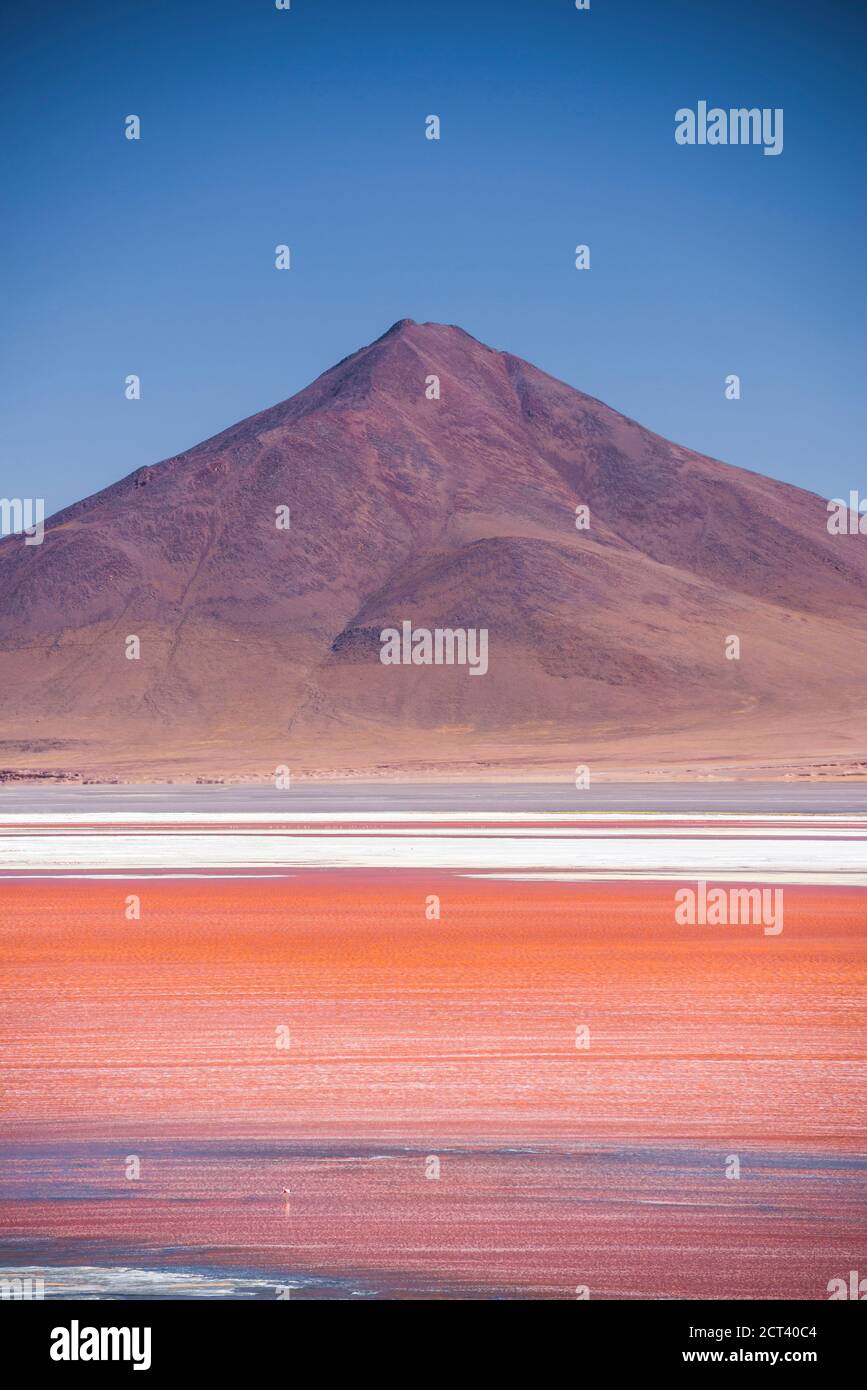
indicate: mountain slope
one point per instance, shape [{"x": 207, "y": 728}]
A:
[{"x": 260, "y": 646}]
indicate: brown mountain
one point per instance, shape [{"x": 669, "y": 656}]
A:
[{"x": 260, "y": 646}]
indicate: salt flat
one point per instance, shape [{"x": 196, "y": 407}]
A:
[{"x": 827, "y": 850}]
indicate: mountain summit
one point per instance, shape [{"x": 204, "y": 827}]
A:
[{"x": 428, "y": 479}]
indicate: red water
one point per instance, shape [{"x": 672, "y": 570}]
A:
[{"x": 412, "y": 1039}]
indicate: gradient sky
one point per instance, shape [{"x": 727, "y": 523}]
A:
[{"x": 307, "y": 127}]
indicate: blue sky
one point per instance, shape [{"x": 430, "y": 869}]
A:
[{"x": 307, "y": 127}]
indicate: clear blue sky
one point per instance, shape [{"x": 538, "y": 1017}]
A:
[{"x": 307, "y": 127}]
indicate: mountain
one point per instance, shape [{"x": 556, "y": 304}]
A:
[{"x": 260, "y": 646}]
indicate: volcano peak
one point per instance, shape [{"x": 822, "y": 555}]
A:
[{"x": 428, "y": 479}]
